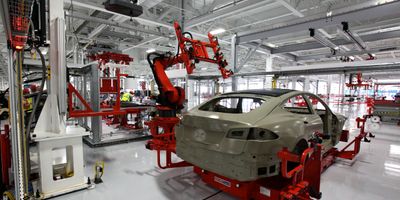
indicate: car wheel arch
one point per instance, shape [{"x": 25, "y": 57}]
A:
[{"x": 300, "y": 146}]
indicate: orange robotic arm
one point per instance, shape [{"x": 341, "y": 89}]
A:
[{"x": 190, "y": 51}]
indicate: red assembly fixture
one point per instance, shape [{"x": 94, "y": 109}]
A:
[
  {"x": 301, "y": 182},
  {"x": 359, "y": 83},
  {"x": 109, "y": 85}
]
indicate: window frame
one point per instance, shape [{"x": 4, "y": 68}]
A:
[
  {"x": 327, "y": 108},
  {"x": 240, "y": 101},
  {"x": 310, "y": 109}
]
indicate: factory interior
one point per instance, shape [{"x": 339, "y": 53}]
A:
[{"x": 200, "y": 99}]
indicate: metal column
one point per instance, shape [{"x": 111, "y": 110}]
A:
[
  {"x": 268, "y": 68},
  {"x": 294, "y": 83},
  {"x": 95, "y": 104},
  {"x": 342, "y": 86},
  {"x": 234, "y": 61},
  {"x": 328, "y": 86},
  {"x": 18, "y": 137},
  {"x": 85, "y": 96},
  {"x": 198, "y": 92},
  {"x": 306, "y": 86}
]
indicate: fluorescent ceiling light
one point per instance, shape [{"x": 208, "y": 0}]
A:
[
  {"x": 328, "y": 14},
  {"x": 317, "y": 35},
  {"x": 217, "y": 31},
  {"x": 272, "y": 45},
  {"x": 44, "y": 50},
  {"x": 383, "y": 1},
  {"x": 150, "y": 50},
  {"x": 204, "y": 69},
  {"x": 388, "y": 81}
]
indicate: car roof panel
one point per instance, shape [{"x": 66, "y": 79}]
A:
[{"x": 265, "y": 92}]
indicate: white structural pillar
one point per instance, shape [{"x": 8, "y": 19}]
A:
[
  {"x": 198, "y": 92},
  {"x": 342, "y": 85},
  {"x": 286, "y": 82},
  {"x": 53, "y": 140},
  {"x": 268, "y": 68},
  {"x": 294, "y": 83},
  {"x": 306, "y": 85},
  {"x": 234, "y": 61},
  {"x": 328, "y": 86},
  {"x": 57, "y": 53}
]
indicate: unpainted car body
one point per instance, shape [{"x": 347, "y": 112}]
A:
[{"x": 238, "y": 134}]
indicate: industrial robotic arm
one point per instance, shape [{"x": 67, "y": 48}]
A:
[{"x": 189, "y": 53}]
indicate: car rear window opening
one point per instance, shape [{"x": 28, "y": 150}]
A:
[{"x": 232, "y": 105}]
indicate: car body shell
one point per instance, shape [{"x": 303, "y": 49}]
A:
[{"x": 203, "y": 137}]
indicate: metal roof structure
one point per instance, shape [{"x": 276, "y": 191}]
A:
[{"x": 277, "y": 28}]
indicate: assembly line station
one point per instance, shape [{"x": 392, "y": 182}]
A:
[{"x": 200, "y": 99}]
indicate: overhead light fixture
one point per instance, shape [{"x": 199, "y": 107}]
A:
[
  {"x": 351, "y": 57},
  {"x": 44, "y": 51},
  {"x": 354, "y": 37},
  {"x": 204, "y": 69},
  {"x": 150, "y": 50},
  {"x": 322, "y": 40},
  {"x": 272, "y": 45},
  {"x": 217, "y": 31},
  {"x": 383, "y": 2},
  {"x": 328, "y": 14}
]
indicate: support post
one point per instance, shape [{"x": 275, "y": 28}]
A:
[
  {"x": 198, "y": 92},
  {"x": 294, "y": 82},
  {"x": 268, "y": 68},
  {"x": 234, "y": 61},
  {"x": 96, "y": 125},
  {"x": 18, "y": 139},
  {"x": 328, "y": 87},
  {"x": 342, "y": 86},
  {"x": 306, "y": 86}
]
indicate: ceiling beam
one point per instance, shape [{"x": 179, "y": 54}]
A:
[
  {"x": 291, "y": 8},
  {"x": 149, "y": 3},
  {"x": 142, "y": 19},
  {"x": 325, "y": 68},
  {"x": 164, "y": 14},
  {"x": 85, "y": 23},
  {"x": 113, "y": 41},
  {"x": 101, "y": 27},
  {"x": 105, "y": 22},
  {"x": 355, "y": 15},
  {"x": 349, "y": 53},
  {"x": 141, "y": 43},
  {"x": 316, "y": 45},
  {"x": 240, "y": 7}
]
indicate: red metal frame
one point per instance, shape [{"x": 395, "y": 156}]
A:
[
  {"x": 164, "y": 141},
  {"x": 302, "y": 182},
  {"x": 294, "y": 184},
  {"x": 122, "y": 120},
  {"x": 5, "y": 147},
  {"x": 88, "y": 112},
  {"x": 116, "y": 109},
  {"x": 359, "y": 84},
  {"x": 106, "y": 57}
]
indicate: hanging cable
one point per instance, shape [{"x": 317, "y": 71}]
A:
[{"x": 39, "y": 95}]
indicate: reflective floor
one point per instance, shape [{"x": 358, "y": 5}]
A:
[{"x": 131, "y": 172}]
